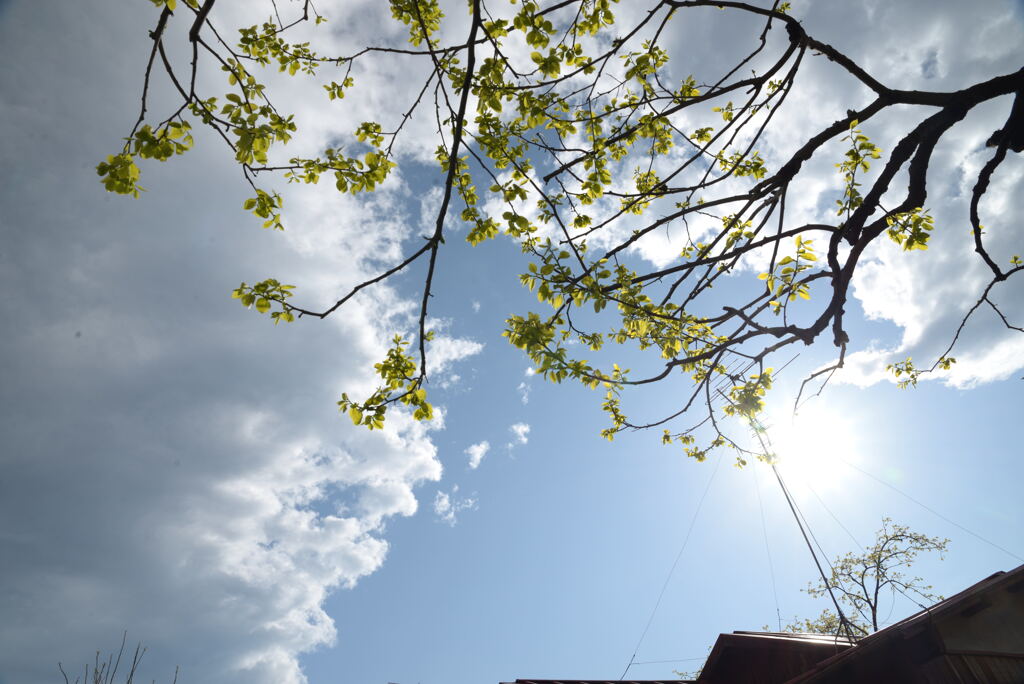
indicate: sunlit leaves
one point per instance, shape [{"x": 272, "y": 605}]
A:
[
  {"x": 550, "y": 64},
  {"x": 573, "y": 130},
  {"x": 784, "y": 283},
  {"x": 400, "y": 384},
  {"x": 702, "y": 135},
  {"x": 162, "y": 144},
  {"x": 641, "y": 65},
  {"x": 336, "y": 91},
  {"x": 268, "y": 296},
  {"x": 688, "y": 90},
  {"x": 536, "y": 28},
  {"x": 907, "y": 374},
  {"x": 858, "y": 155},
  {"x": 727, "y": 112},
  {"x": 267, "y": 206},
  {"x": 910, "y": 230},
  {"x": 173, "y": 4},
  {"x": 742, "y": 164},
  {"x": 265, "y": 44},
  {"x": 120, "y": 174},
  {"x": 747, "y": 399},
  {"x": 423, "y": 17}
]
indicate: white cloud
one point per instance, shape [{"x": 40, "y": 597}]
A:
[
  {"x": 525, "y": 387},
  {"x": 476, "y": 453},
  {"x": 450, "y": 381},
  {"x": 447, "y": 506},
  {"x": 430, "y": 204},
  {"x": 923, "y": 294},
  {"x": 173, "y": 464},
  {"x": 476, "y": 306},
  {"x": 926, "y": 294},
  {"x": 444, "y": 350},
  {"x": 520, "y": 432}
]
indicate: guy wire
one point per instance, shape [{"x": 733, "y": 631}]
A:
[
  {"x": 761, "y": 434},
  {"x": 679, "y": 555}
]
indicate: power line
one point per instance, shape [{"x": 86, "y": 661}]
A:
[
  {"x": 930, "y": 509},
  {"x": 894, "y": 586},
  {"x": 661, "y": 662},
  {"x": 811, "y": 532},
  {"x": 828, "y": 585},
  {"x": 829, "y": 511},
  {"x": 661, "y": 594},
  {"x": 762, "y": 434},
  {"x": 767, "y": 549}
]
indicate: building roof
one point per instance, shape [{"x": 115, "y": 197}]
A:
[
  {"x": 767, "y": 657},
  {"x": 600, "y": 681},
  {"x": 976, "y": 635},
  {"x": 1002, "y": 641}
]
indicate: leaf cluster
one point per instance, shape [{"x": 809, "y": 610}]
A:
[{"x": 580, "y": 140}]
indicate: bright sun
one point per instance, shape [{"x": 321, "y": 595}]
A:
[{"x": 813, "y": 445}]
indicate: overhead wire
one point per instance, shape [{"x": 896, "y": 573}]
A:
[
  {"x": 834, "y": 517},
  {"x": 894, "y": 586},
  {"x": 810, "y": 531},
  {"x": 831, "y": 567},
  {"x": 761, "y": 434},
  {"x": 931, "y": 510},
  {"x": 664, "y": 586},
  {"x": 843, "y": 620},
  {"x": 767, "y": 549},
  {"x": 661, "y": 662},
  {"x": 803, "y": 525}
]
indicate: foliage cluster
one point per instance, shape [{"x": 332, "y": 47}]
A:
[{"x": 592, "y": 141}]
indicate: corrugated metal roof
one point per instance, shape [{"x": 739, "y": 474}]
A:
[{"x": 984, "y": 669}]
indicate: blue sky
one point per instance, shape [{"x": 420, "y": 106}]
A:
[{"x": 175, "y": 466}]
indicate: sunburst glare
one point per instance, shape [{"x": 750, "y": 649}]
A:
[{"x": 813, "y": 444}]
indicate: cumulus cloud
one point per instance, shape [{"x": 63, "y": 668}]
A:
[
  {"x": 476, "y": 453},
  {"x": 444, "y": 350},
  {"x": 526, "y": 386},
  {"x": 923, "y": 295},
  {"x": 520, "y": 432},
  {"x": 928, "y": 294},
  {"x": 448, "y": 506},
  {"x": 175, "y": 465}
]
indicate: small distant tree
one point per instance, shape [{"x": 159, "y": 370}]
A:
[{"x": 861, "y": 581}]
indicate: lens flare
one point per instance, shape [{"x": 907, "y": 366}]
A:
[{"x": 813, "y": 445}]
